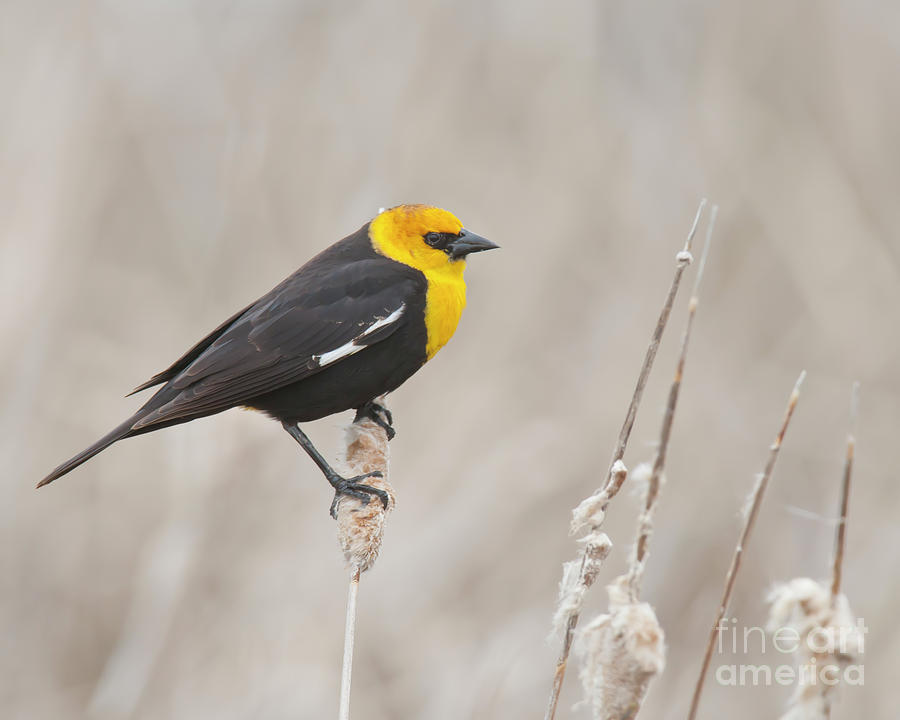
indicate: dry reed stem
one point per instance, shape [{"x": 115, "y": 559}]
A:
[
  {"x": 645, "y": 521},
  {"x": 749, "y": 520},
  {"x": 682, "y": 260},
  {"x": 841, "y": 530},
  {"x": 349, "y": 637},
  {"x": 820, "y": 614},
  {"x": 624, "y": 649},
  {"x": 361, "y": 527}
]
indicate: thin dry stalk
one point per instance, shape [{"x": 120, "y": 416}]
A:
[
  {"x": 361, "y": 528},
  {"x": 645, "y": 521},
  {"x": 624, "y": 649},
  {"x": 682, "y": 260},
  {"x": 349, "y": 637},
  {"x": 749, "y": 520},
  {"x": 820, "y": 615},
  {"x": 841, "y": 531}
]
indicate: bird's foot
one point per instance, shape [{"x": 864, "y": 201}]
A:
[
  {"x": 379, "y": 415},
  {"x": 352, "y": 487}
]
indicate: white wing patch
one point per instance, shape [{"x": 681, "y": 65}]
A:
[{"x": 357, "y": 343}]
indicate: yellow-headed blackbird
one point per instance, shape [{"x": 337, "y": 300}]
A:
[{"x": 352, "y": 324}]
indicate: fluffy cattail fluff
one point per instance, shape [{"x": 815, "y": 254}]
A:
[
  {"x": 361, "y": 526},
  {"x": 578, "y": 576},
  {"x": 591, "y": 511},
  {"x": 621, "y": 652},
  {"x": 829, "y": 639}
]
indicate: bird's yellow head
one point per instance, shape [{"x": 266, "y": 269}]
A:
[{"x": 424, "y": 237}]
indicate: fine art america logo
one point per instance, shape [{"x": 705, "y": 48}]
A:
[{"x": 827, "y": 656}]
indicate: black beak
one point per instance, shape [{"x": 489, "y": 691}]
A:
[{"x": 468, "y": 242}]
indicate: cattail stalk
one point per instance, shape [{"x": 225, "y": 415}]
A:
[
  {"x": 645, "y": 522},
  {"x": 349, "y": 637},
  {"x": 361, "y": 528},
  {"x": 841, "y": 531},
  {"x": 749, "y": 520},
  {"x": 820, "y": 615},
  {"x": 624, "y": 649},
  {"x": 601, "y": 498}
]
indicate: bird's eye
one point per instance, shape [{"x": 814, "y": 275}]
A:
[{"x": 434, "y": 238}]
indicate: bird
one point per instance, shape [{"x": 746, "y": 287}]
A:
[{"x": 352, "y": 324}]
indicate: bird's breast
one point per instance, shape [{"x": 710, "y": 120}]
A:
[{"x": 444, "y": 303}]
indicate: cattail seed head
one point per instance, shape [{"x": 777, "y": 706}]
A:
[
  {"x": 361, "y": 525},
  {"x": 621, "y": 651}
]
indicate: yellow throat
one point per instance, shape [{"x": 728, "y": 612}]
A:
[{"x": 397, "y": 233}]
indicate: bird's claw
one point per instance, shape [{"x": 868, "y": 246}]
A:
[
  {"x": 352, "y": 487},
  {"x": 379, "y": 415}
]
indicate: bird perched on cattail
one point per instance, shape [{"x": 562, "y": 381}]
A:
[{"x": 352, "y": 324}]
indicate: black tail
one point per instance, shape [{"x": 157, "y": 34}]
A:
[{"x": 122, "y": 431}]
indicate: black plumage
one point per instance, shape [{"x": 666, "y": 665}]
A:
[{"x": 265, "y": 356}]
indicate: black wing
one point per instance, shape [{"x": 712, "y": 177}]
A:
[{"x": 313, "y": 319}]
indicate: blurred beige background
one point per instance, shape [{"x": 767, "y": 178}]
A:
[{"x": 164, "y": 163}]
